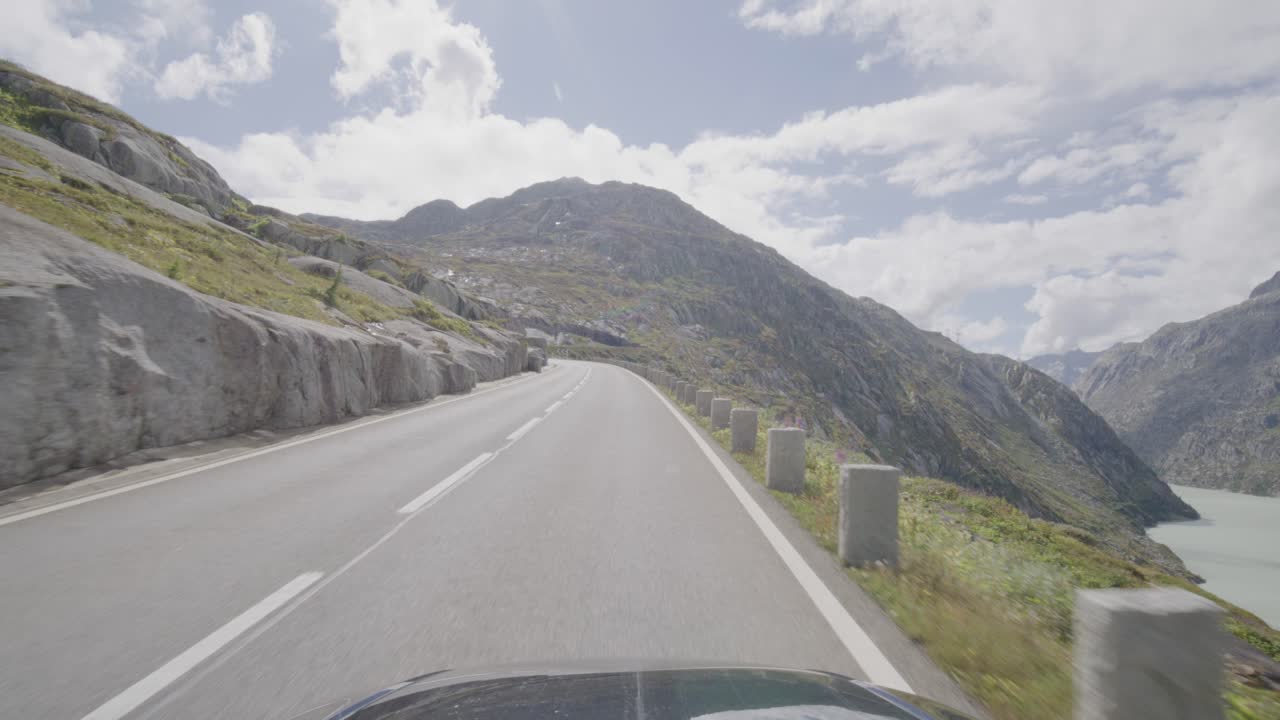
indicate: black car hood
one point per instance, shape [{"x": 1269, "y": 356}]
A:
[{"x": 639, "y": 691}]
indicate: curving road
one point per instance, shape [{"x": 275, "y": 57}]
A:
[{"x": 566, "y": 515}]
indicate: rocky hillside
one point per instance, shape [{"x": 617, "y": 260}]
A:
[
  {"x": 1066, "y": 367},
  {"x": 1200, "y": 401},
  {"x": 629, "y": 271},
  {"x": 144, "y": 304}
]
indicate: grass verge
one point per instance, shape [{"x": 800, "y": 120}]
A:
[{"x": 989, "y": 592}]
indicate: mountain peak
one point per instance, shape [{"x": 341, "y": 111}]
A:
[{"x": 1269, "y": 286}]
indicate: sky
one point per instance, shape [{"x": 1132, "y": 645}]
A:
[{"x": 1024, "y": 176}]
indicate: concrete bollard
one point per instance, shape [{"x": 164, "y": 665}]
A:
[
  {"x": 868, "y": 526},
  {"x": 680, "y": 391},
  {"x": 784, "y": 461},
  {"x": 743, "y": 426},
  {"x": 691, "y": 394},
  {"x": 1148, "y": 654},
  {"x": 702, "y": 401},
  {"x": 720, "y": 408}
]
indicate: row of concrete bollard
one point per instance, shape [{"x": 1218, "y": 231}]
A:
[{"x": 1144, "y": 654}]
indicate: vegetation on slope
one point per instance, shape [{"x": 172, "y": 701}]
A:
[
  {"x": 210, "y": 259},
  {"x": 988, "y": 591}
]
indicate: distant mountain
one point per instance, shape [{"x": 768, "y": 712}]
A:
[
  {"x": 648, "y": 276},
  {"x": 1066, "y": 367},
  {"x": 1200, "y": 400}
]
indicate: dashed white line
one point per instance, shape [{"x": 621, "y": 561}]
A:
[
  {"x": 139, "y": 692},
  {"x": 520, "y": 431},
  {"x": 554, "y": 406},
  {"x": 444, "y": 485},
  {"x": 860, "y": 645},
  {"x": 297, "y": 591}
]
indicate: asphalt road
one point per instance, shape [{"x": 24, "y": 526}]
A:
[{"x": 568, "y": 515}]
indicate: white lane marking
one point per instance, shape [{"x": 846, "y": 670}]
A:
[
  {"x": 17, "y": 517},
  {"x": 554, "y": 406},
  {"x": 439, "y": 488},
  {"x": 568, "y": 394},
  {"x": 139, "y": 692},
  {"x": 433, "y": 496},
  {"x": 864, "y": 651},
  {"x": 520, "y": 431}
]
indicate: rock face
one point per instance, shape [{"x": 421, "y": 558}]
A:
[
  {"x": 100, "y": 357},
  {"x": 649, "y": 272},
  {"x": 1066, "y": 367},
  {"x": 1200, "y": 400},
  {"x": 109, "y": 137}
]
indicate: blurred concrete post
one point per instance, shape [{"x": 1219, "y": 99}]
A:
[
  {"x": 720, "y": 408},
  {"x": 702, "y": 400},
  {"x": 680, "y": 386},
  {"x": 784, "y": 461},
  {"x": 868, "y": 526},
  {"x": 1148, "y": 654},
  {"x": 743, "y": 426}
]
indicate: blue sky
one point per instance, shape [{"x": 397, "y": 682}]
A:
[{"x": 1025, "y": 176}]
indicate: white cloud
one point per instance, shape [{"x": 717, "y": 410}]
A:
[
  {"x": 183, "y": 20},
  {"x": 243, "y": 56},
  {"x": 1019, "y": 199},
  {"x": 447, "y": 66},
  {"x": 1084, "y": 164},
  {"x": 37, "y": 36},
  {"x": 973, "y": 334},
  {"x": 1099, "y": 277},
  {"x": 1138, "y": 190},
  {"x": 946, "y": 169},
  {"x": 1102, "y": 46}
]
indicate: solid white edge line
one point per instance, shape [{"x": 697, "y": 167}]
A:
[
  {"x": 860, "y": 645},
  {"x": 37, "y": 512},
  {"x": 440, "y": 487},
  {"x": 138, "y": 693},
  {"x": 554, "y": 406},
  {"x": 520, "y": 431}
]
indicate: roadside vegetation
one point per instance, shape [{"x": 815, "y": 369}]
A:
[{"x": 988, "y": 591}]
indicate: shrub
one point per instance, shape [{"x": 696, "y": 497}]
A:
[{"x": 331, "y": 294}]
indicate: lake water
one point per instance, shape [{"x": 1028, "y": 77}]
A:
[{"x": 1234, "y": 546}]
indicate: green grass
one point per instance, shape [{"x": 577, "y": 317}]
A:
[
  {"x": 211, "y": 260},
  {"x": 428, "y": 313},
  {"x": 385, "y": 277},
  {"x": 988, "y": 591},
  {"x": 24, "y": 154}
]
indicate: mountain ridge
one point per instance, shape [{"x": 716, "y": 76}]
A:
[
  {"x": 674, "y": 286},
  {"x": 1200, "y": 400}
]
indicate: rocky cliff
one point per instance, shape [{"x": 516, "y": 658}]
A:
[
  {"x": 101, "y": 357},
  {"x": 668, "y": 285},
  {"x": 1200, "y": 400},
  {"x": 131, "y": 318}
]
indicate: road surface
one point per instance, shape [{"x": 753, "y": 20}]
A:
[{"x": 567, "y": 515}]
